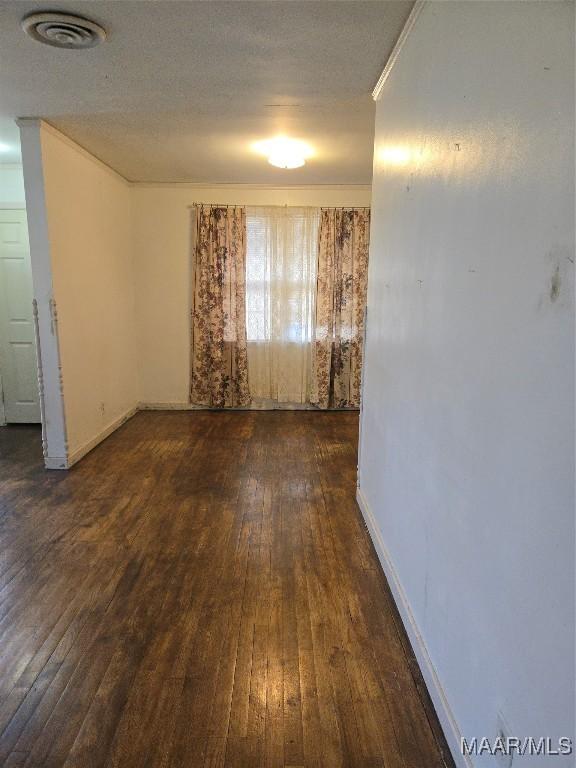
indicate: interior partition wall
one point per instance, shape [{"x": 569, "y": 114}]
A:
[{"x": 54, "y": 434}]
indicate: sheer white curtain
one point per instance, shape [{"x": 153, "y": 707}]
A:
[{"x": 281, "y": 263}]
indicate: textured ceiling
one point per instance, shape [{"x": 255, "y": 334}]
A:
[{"x": 180, "y": 90}]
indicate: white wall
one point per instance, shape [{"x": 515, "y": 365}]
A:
[
  {"x": 162, "y": 270},
  {"x": 11, "y": 185},
  {"x": 467, "y": 449},
  {"x": 90, "y": 235}
]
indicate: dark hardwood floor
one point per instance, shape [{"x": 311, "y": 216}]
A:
[{"x": 201, "y": 591}]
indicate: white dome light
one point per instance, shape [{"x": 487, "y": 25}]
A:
[{"x": 283, "y": 152}]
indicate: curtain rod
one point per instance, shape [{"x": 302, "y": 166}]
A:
[{"x": 253, "y": 205}]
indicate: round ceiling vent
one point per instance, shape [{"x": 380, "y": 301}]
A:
[{"x": 63, "y": 30}]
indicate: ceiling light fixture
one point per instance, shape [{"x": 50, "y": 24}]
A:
[
  {"x": 283, "y": 152},
  {"x": 63, "y": 30}
]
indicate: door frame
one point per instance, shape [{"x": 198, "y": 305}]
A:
[
  {"x": 18, "y": 206},
  {"x": 21, "y": 206}
]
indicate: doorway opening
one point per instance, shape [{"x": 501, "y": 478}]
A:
[{"x": 19, "y": 390}]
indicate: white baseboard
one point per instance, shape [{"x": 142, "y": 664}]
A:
[
  {"x": 79, "y": 453},
  {"x": 170, "y": 407},
  {"x": 447, "y": 720},
  {"x": 59, "y": 462},
  {"x": 266, "y": 406}
]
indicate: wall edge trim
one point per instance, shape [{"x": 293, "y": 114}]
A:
[
  {"x": 403, "y": 36},
  {"x": 56, "y": 333},
  {"x": 79, "y": 453},
  {"x": 55, "y": 462},
  {"x": 40, "y": 376},
  {"x": 447, "y": 720},
  {"x": 241, "y": 186},
  {"x": 43, "y": 292},
  {"x": 45, "y": 125},
  {"x": 168, "y": 406}
]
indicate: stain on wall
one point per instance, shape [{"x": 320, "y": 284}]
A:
[{"x": 555, "y": 284}]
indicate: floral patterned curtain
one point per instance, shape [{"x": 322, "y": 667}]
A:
[
  {"x": 219, "y": 376},
  {"x": 340, "y": 306}
]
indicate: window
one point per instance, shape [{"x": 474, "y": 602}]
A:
[
  {"x": 281, "y": 263},
  {"x": 281, "y": 257}
]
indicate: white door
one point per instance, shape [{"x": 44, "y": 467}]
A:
[{"x": 17, "y": 345}]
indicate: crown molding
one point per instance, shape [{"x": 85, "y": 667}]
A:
[
  {"x": 23, "y": 122},
  {"x": 406, "y": 29},
  {"x": 241, "y": 186}
]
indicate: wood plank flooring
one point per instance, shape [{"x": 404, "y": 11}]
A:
[{"x": 201, "y": 591}]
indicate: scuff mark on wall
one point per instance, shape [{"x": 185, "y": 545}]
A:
[
  {"x": 559, "y": 266},
  {"x": 555, "y": 284}
]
